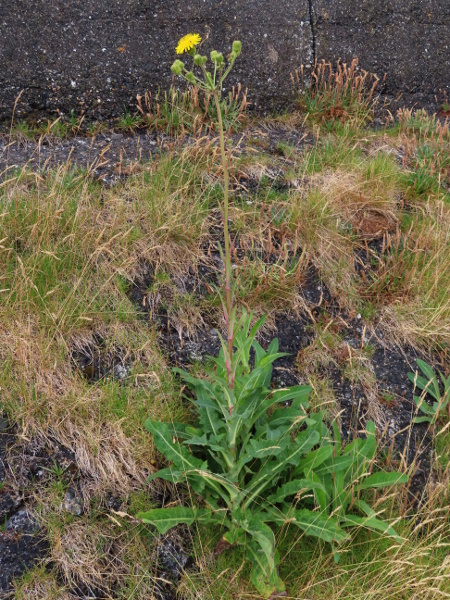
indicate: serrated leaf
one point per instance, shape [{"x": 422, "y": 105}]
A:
[
  {"x": 312, "y": 523},
  {"x": 370, "y": 523},
  {"x": 381, "y": 479},
  {"x": 166, "y": 518},
  {"x": 313, "y": 460},
  {"x": 173, "y": 451},
  {"x": 293, "y": 487}
]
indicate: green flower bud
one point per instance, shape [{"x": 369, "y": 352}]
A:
[
  {"x": 177, "y": 67},
  {"x": 200, "y": 60},
  {"x": 233, "y": 56},
  {"x": 237, "y": 46},
  {"x": 217, "y": 58},
  {"x": 190, "y": 77}
]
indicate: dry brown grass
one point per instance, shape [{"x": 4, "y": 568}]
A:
[
  {"x": 69, "y": 252},
  {"x": 66, "y": 245},
  {"x": 343, "y": 93},
  {"x": 423, "y": 315}
]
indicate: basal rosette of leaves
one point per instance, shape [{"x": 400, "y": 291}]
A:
[{"x": 252, "y": 451}]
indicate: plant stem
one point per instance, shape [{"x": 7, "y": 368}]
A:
[{"x": 228, "y": 292}]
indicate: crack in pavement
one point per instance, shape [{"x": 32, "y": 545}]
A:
[{"x": 313, "y": 29}]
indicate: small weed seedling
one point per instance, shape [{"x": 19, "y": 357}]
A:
[{"x": 430, "y": 385}]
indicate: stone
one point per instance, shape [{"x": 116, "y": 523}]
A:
[
  {"x": 73, "y": 502},
  {"x": 22, "y": 522},
  {"x": 172, "y": 559},
  {"x": 22, "y": 545}
]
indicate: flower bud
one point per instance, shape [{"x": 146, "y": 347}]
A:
[
  {"x": 237, "y": 46},
  {"x": 217, "y": 58},
  {"x": 177, "y": 67},
  {"x": 190, "y": 77},
  {"x": 233, "y": 56},
  {"x": 200, "y": 60}
]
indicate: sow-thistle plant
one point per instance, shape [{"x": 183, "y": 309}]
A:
[
  {"x": 255, "y": 456},
  {"x": 211, "y": 81}
]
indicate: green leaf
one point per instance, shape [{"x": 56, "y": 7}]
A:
[
  {"x": 174, "y": 451},
  {"x": 423, "y": 420},
  {"x": 337, "y": 436},
  {"x": 322, "y": 496},
  {"x": 340, "y": 494},
  {"x": 167, "y": 474},
  {"x": 265, "y": 579},
  {"x": 364, "y": 507},
  {"x": 334, "y": 465},
  {"x": 263, "y": 536},
  {"x": 217, "y": 480},
  {"x": 259, "y": 352},
  {"x": 369, "y": 448},
  {"x": 291, "y": 456},
  {"x": 381, "y": 479},
  {"x": 427, "y": 385},
  {"x": 424, "y": 406},
  {"x": 426, "y": 369},
  {"x": 166, "y": 518},
  {"x": 263, "y": 448},
  {"x": 296, "y": 392},
  {"x": 312, "y": 523},
  {"x": 370, "y": 523},
  {"x": 293, "y": 487},
  {"x": 289, "y": 415},
  {"x": 313, "y": 460}
]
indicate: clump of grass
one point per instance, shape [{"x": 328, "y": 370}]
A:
[
  {"x": 56, "y": 129},
  {"x": 420, "y": 269},
  {"x": 426, "y": 143},
  {"x": 337, "y": 94},
  {"x": 191, "y": 111},
  {"x": 130, "y": 123}
]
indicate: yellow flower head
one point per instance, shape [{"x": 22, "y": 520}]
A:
[{"x": 187, "y": 42}]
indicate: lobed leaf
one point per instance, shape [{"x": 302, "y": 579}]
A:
[{"x": 166, "y": 518}]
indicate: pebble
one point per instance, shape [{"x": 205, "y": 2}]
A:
[
  {"x": 73, "y": 503},
  {"x": 23, "y": 522},
  {"x": 120, "y": 372}
]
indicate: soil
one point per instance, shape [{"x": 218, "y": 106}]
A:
[
  {"x": 109, "y": 157},
  {"x": 23, "y": 542}
]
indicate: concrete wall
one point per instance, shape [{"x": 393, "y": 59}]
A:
[{"x": 96, "y": 55}]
